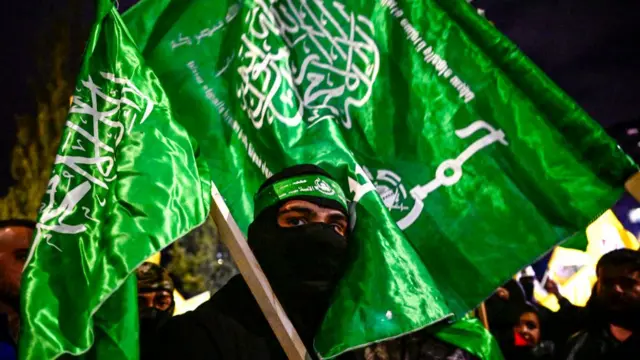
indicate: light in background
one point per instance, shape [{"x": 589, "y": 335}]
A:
[{"x": 574, "y": 270}]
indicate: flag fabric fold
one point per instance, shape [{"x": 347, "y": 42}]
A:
[
  {"x": 126, "y": 182},
  {"x": 463, "y": 161},
  {"x": 470, "y": 335}
]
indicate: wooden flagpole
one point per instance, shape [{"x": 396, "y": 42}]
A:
[
  {"x": 633, "y": 186},
  {"x": 233, "y": 238},
  {"x": 481, "y": 312}
]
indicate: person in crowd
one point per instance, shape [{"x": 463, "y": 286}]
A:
[
  {"x": 568, "y": 320},
  {"x": 552, "y": 288},
  {"x": 155, "y": 303},
  {"x": 502, "y": 308},
  {"x": 15, "y": 237},
  {"x": 613, "y": 329},
  {"x": 503, "y": 302},
  {"x": 526, "y": 341},
  {"x": 528, "y": 283},
  {"x": 300, "y": 237}
]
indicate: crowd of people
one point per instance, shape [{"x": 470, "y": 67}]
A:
[
  {"x": 607, "y": 328},
  {"x": 301, "y": 242}
]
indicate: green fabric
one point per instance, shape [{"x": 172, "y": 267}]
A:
[
  {"x": 481, "y": 163},
  {"x": 470, "y": 335},
  {"x": 578, "y": 241},
  {"x": 317, "y": 186},
  {"x": 463, "y": 161},
  {"x": 123, "y": 168}
]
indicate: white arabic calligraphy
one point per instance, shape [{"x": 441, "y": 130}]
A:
[
  {"x": 95, "y": 127},
  {"x": 207, "y": 32},
  {"x": 338, "y": 62},
  {"x": 227, "y": 63}
]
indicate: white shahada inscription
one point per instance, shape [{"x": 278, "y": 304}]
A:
[
  {"x": 84, "y": 167},
  {"x": 305, "y": 59}
]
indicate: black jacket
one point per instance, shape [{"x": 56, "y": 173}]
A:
[
  {"x": 8, "y": 349},
  {"x": 597, "y": 343},
  {"x": 230, "y": 326},
  {"x": 566, "y": 322}
]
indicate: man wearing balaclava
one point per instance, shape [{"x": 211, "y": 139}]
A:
[
  {"x": 300, "y": 237},
  {"x": 155, "y": 303},
  {"x": 613, "y": 312}
]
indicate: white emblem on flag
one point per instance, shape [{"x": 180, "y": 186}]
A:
[
  {"x": 323, "y": 187},
  {"x": 390, "y": 188}
]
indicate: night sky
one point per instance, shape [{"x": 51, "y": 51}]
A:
[{"x": 589, "y": 47}]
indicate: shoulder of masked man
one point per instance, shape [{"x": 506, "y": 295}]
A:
[
  {"x": 302, "y": 259},
  {"x": 230, "y": 325}
]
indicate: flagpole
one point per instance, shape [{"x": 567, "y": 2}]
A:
[
  {"x": 482, "y": 315},
  {"x": 633, "y": 186},
  {"x": 233, "y": 238}
]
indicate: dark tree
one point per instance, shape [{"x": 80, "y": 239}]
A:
[{"x": 59, "y": 41}]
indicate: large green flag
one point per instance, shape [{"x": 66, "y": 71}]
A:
[
  {"x": 125, "y": 183},
  {"x": 481, "y": 164}
]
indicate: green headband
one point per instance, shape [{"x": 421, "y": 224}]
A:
[{"x": 304, "y": 185}]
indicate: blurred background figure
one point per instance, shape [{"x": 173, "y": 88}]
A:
[
  {"x": 568, "y": 320},
  {"x": 155, "y": 302},
  {"x": 15, "y": 237},
  {"x": 528, "y": 339},
  {"x": 502, "y": 308},
  {"x": 612, "y": 330},
  {"x": 527, "y": 279}
]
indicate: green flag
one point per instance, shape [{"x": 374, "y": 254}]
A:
[
  {"x": 464, "y": 162},
  {"x": 125, "y": 184},
  {"x": 470, "y": 335}
]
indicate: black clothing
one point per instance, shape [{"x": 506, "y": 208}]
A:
[
  {"x": 151, "y": 320},
  {"x": 229, "y": 326},
  {"x": 598, "y": 343},
  {"x": 303, "y": 264},
  {"x": 595, "y": 341},
  {"x": 503, "y": 314},
  {"x": 543, "y": 351},
  {"x": 566, "y": 322},
  {"x": 8, "y": 348},
  {"x": 152, "y": 278}
]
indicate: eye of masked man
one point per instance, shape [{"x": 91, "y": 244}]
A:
[{"x": 299, "y": 237}]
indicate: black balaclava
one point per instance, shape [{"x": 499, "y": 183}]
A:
[
  {"x": 303, "y": 263},
  {"x": 608, "y": 306},
  {"x": 153, "y": 278}
]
